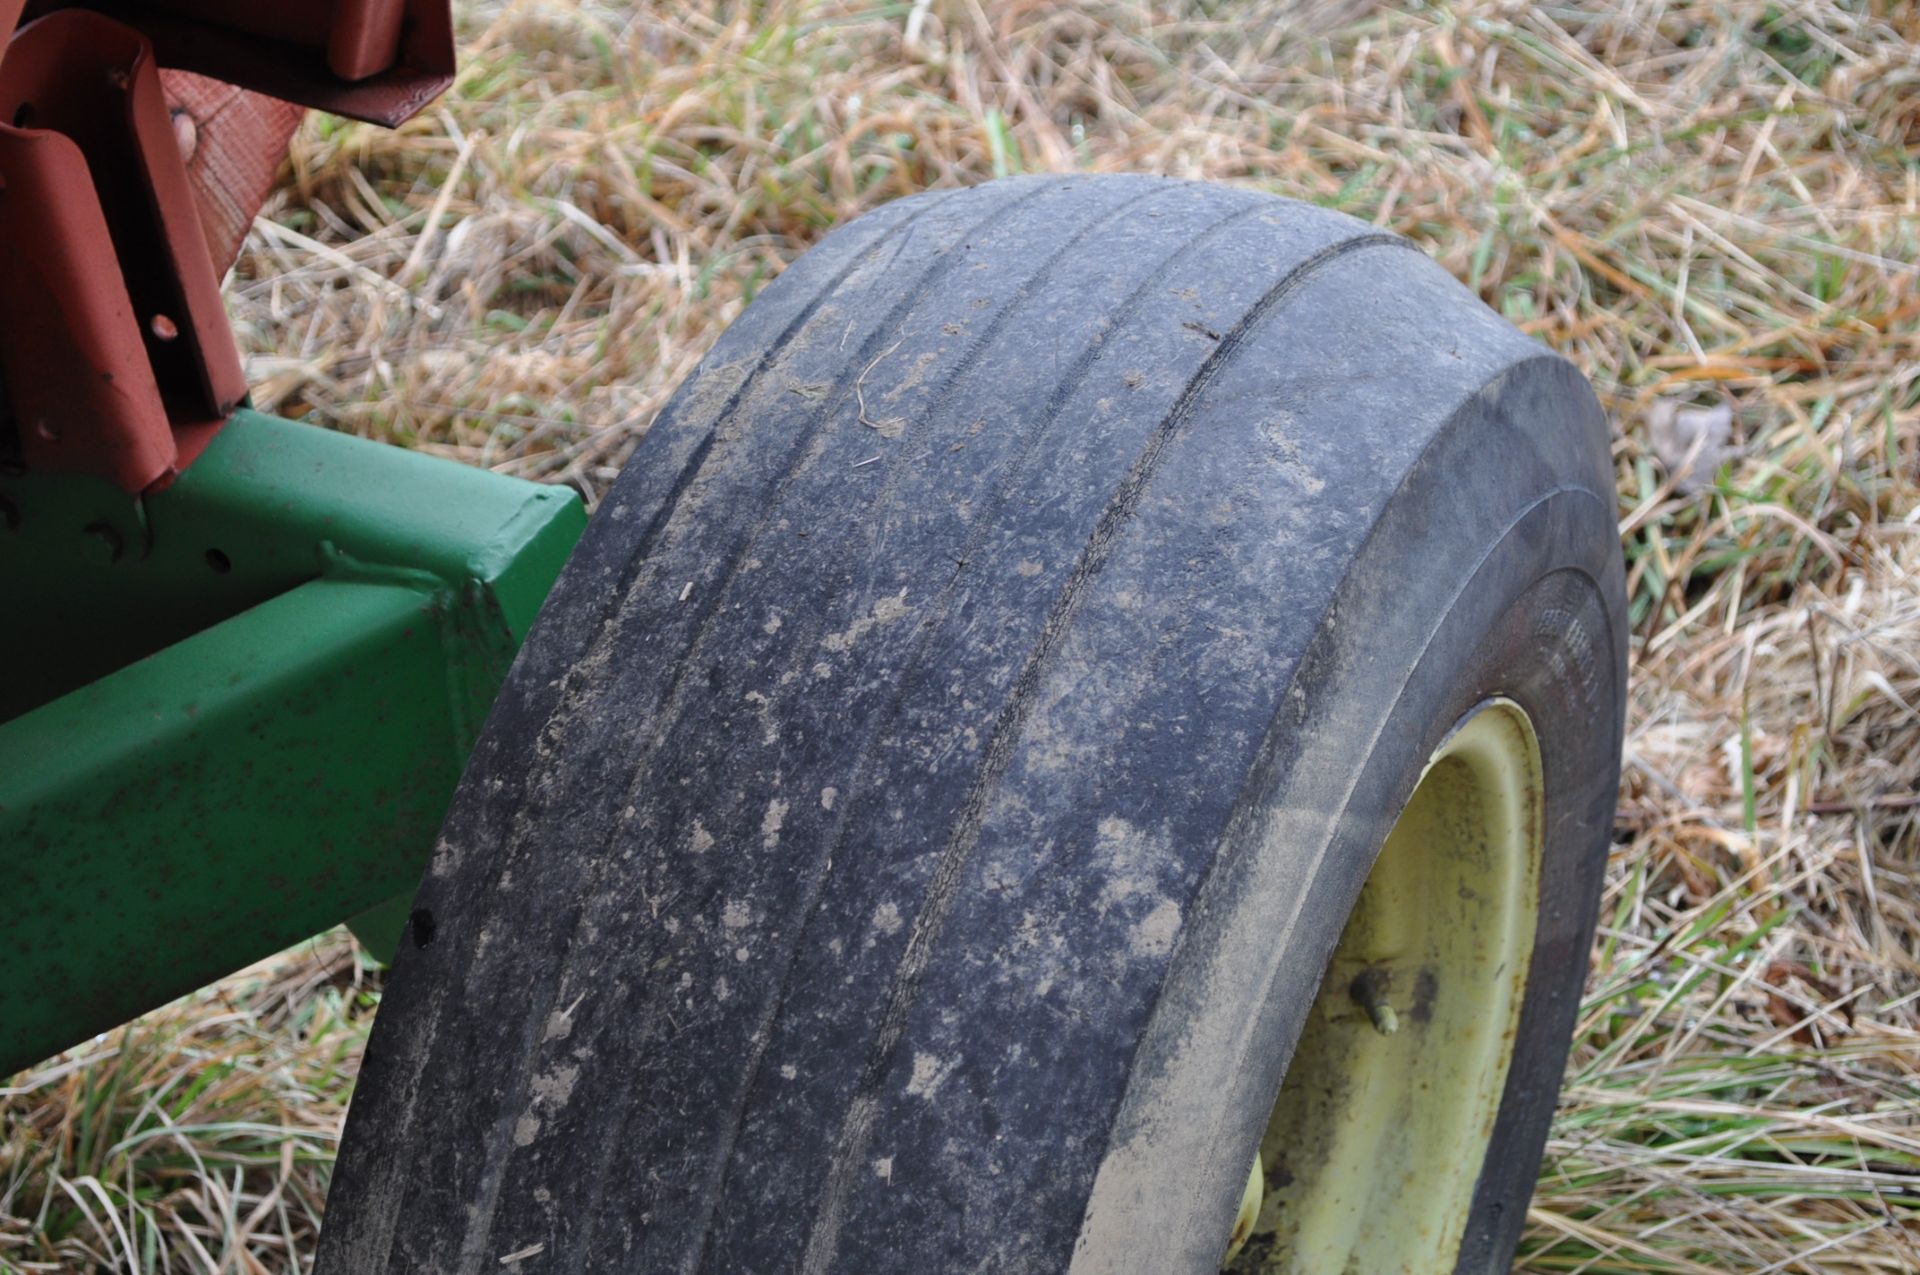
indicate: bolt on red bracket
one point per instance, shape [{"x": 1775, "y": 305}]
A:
[{"x": 114, "y": 344}]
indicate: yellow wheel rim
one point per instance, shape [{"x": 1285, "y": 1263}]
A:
[{"x": 1371, "y": 1156}]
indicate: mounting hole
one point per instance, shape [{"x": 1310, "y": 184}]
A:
[
  {"x": 163, "y": 328},
  {"x": 23, "y": 115},
  {"x": 219, "y": 561}
]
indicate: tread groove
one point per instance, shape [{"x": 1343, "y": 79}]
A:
[
  {"x": 938, "y": 612},
  {"x": 823, "y": 1239},
  {"x": 543, "y": 996},
  {"x": 567, "y": 697}
]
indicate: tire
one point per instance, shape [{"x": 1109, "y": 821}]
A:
[{"x": 918, "y": 828}]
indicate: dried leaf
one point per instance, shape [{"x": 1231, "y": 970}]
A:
[{"x": 1815, "y": 1030}]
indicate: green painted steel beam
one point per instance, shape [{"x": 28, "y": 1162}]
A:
[{"x": 235, "y": 712}]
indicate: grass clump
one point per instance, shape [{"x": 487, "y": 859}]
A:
[{"x": 196, "y": 1139}]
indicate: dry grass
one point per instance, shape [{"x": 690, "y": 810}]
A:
[
  {"x": 195, "y": 1139},
  {"x": 1716, "y": 203}
]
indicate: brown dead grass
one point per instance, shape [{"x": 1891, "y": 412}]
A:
[{"x": 1715, "y": 203}]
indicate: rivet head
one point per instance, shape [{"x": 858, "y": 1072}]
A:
[{"x": 186, "y": 133}]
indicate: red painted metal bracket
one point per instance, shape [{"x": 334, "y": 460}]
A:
[
  {"x": 123, "y": 196},
  {"x": 376, "y": 60},
  {"x": 234, "y": 141},
  {"x": 115, "y": 348}
]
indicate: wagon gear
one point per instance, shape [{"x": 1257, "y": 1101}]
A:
[{"x": 1082, "y": 740}]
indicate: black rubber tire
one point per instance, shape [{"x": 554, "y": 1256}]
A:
[{"x": 1040, "y": 594}]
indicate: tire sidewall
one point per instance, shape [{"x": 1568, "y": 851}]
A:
[{"x": 1510, "y": 585}]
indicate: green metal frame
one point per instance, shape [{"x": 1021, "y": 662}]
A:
[{"x": 234, "y": 713}]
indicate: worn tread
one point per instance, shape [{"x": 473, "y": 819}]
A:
[{"x": 914, "y": 592}]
